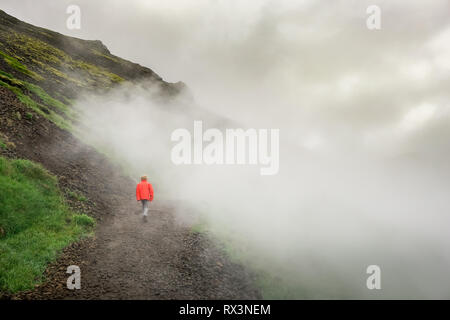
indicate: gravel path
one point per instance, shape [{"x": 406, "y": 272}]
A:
[{"x": 128, "y": 258}]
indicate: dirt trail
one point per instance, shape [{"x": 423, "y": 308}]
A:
[
  {"x": 157, "y": 259},
  {"x": 128, "y": 258}
]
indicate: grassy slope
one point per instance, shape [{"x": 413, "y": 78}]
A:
[
  {"x": 54, "y": 70},
  {"x": 46, "y": 71},
  {"x": 2, "y": 143},
  {"x": 35, "y": 223}
]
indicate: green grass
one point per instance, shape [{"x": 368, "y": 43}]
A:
[
  {"x": 34, "y": 47},
  {"x": 2, "y": 144},
  {"x": 50, "y": 59},
  {"x": 6, "y": 74},
  {"x": 77, "y": 196},
  {"x": 98, "y": 53},
  {"x": 47, "y": 99},
  {"x": 100, "y": 75},
  {"x": 44, "y": 62},
  {"x": 275, "y": 287},
  {"x": 14, "y": 63},
  {"x": 36, "y": 223}
]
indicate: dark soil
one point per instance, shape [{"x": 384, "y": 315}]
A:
[{"x": 127, "y": 258}]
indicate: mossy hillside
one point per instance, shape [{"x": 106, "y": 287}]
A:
[
  {"x": 48, "y": 60},
  {"x": 68, "y": 55},
  {"x": 6, "y": 74},
  {"x": 38, "y": 91},
  {"x": 20, "y": 87},
  {"x": 110, "y": 58},
  {"x": 42, "y": 76},
  {"x": 53, "y": 65},
  {"x": 34, "y": 227}
]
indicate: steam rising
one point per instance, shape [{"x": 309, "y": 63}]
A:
[{"x": 364, "y": 119}]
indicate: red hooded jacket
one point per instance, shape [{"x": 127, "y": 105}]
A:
[{"x": 144, "y": 191}]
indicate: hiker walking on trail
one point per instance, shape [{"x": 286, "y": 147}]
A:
[{"x": 144, "y": 194}]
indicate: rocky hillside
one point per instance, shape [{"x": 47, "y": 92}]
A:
[{"x": 47, "y": 70}]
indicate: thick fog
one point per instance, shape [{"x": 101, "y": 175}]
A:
[{"x": 363, "y": 118}]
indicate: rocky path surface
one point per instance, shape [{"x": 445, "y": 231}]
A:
[{"x": 127, "y": 258}]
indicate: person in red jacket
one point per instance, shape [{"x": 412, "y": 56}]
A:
[{"x": 144, "y": 194}]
